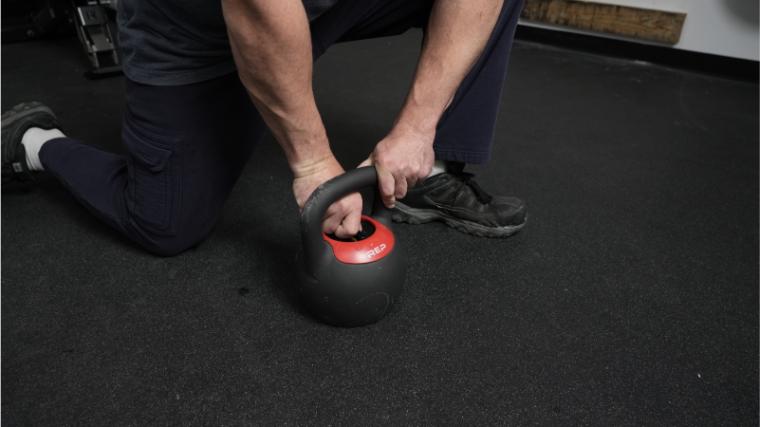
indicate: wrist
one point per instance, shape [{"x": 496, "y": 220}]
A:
[
  {"x": 305, "y": 150},
  {"x": 417, "y": 120},
  {"x": 419, "y": 128},
  {"x": 311, "y": 163}
]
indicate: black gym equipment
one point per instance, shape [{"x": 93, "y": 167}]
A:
[
  {"x": 349, "y": 282},
  {"x": 94, "y": 21}
]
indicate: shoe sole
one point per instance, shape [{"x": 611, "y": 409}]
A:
[
  {"x": 409, "y": 215},
  {"x": 21, "y": 111}
]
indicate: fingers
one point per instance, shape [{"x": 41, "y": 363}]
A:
[
  {"x": 427, "y": 166},
  {"x": 400, "y": 187},
  {"x": 411, "y": 181},
  {"x": 387, "y": 185},
  {"x": 331, "y": 223},
  {"x": 343, "y": 218},
  {"x": 394, "y": 182},
  {"x": 350, "y": 226},
  {"x": 391, "y": 187}
]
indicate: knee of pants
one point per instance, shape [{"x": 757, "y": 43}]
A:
[
  {"x": 160, "y": 216},
  {"x": 178, "y": 230},
  {"x": 168, "y": 232}
]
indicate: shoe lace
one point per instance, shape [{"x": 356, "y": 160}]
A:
[{"x": 467, "y": 180}]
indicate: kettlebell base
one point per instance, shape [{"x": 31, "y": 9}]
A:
[{"x": 346, "y": 310}]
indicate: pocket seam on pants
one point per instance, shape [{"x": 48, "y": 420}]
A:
[{"x": 153, "y": 199}]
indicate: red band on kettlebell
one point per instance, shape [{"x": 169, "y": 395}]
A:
[{"x": 373, "y": 248}]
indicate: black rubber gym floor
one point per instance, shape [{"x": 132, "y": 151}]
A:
[{"x": 631, "y": 297}]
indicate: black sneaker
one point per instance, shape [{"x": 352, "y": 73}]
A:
[
  {"x": 15, "y": 122},
  {"x": 456, "y": 199}
]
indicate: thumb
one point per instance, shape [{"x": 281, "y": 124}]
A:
[{"x": 367, "y": 162}]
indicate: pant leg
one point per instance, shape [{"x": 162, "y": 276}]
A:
[
  {"x": 465, "y": 131},
  {"x": 186, "y": 148}
]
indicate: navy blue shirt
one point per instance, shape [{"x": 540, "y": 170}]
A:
[{"x": 172, "y": 42}]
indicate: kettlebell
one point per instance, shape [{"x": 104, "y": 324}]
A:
[{"x": 349, "y": 282}]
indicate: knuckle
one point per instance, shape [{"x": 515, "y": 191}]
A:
[{"x": 380, "y": 157}]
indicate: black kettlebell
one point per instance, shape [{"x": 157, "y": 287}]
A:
[{"x": 349, "y": 282}]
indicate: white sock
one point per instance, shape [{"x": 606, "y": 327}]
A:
[
  {"x": 438, "y": 167},
  {"x": 33, "y": 140}
]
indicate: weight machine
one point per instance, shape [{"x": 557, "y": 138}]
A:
[{"x": 94, "y": 22}]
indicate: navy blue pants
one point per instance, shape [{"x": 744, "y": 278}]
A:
[{"x": 188, "y": 144}]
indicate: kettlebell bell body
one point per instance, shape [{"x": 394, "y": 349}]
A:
[{"x": 349, "y": 282}]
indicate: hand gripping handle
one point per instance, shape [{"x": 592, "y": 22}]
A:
[{"x": 325, "y": 195}]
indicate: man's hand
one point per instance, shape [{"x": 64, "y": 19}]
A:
[
  {"x": 344, "y": 216},
  {"x": 456, "y": 34},
  {"x": 402, "y": 158},
  {"x": 271, "y": 44}
]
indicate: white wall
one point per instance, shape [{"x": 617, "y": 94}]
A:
[{"x": 722, "y": 27}]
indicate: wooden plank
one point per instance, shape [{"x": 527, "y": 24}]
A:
[{"x": 645, "y": 24}]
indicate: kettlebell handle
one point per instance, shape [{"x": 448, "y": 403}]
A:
[{"x": 325, "y": 195}]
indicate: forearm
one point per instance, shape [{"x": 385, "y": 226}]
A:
[
  {"x": 456, "y": 35},
  {"x": 271, "y": 45}
]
